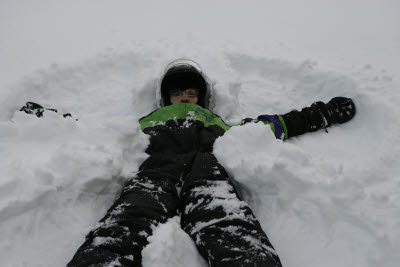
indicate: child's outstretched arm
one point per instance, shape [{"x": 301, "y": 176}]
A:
[{"x": 319, "y": 115}]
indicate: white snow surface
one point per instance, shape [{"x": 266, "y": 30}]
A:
[{"x": 324, "y": 199}]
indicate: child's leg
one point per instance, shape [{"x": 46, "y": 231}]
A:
[
  {"x": 148, "y": 199},
  {"x": 223, "y": 227}
]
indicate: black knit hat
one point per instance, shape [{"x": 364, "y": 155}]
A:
[{"x": 184, "y": 76}]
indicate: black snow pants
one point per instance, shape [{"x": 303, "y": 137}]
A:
[{"x": 198, "y": 188}]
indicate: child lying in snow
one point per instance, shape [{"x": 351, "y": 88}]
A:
[{"x": 181, "y": 175}]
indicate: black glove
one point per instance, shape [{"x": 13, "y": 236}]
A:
[
  {"x": 33, "y": 108},
  {"x": 36, "y": 109},
  {"x": 319, "y": 116},
  {"x": 342, "y": 109},
  {"x": 337, "y": 110}
]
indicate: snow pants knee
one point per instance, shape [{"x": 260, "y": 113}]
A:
[{"x": 194, "y": 185}]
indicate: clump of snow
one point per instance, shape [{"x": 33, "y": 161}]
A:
[{"x": 169, "y": 246}]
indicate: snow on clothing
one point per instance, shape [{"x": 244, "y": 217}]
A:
[{"x": 182, "y": 176}]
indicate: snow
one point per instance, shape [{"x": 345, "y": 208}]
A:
[
  {"x": 169, "y": 246},
  {"x": 324, "y": 199}
]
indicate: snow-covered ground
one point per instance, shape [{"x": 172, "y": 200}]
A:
[{"x": 324, "y": 199}]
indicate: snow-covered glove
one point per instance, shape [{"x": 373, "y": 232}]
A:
[
  {"x": 33, "y": 108},
  {"x": 36, "y": 109},
  {"x": 337, "y": 110},
  {"x": 319, "y": 116},
  {"x": 342, "y": 109}
]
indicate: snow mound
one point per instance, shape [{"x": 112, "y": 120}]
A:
[
  {"x": 58, "y": 175},
  {"x": 303, "y": 198},
  {"x": 170, "y": 246}
]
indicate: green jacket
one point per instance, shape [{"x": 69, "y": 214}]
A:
[{"x": 189, "y": 113}]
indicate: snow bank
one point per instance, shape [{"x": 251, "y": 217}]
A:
[
  {"x": 304, "y": 200},
  {"x": 58, "y": 175}
]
